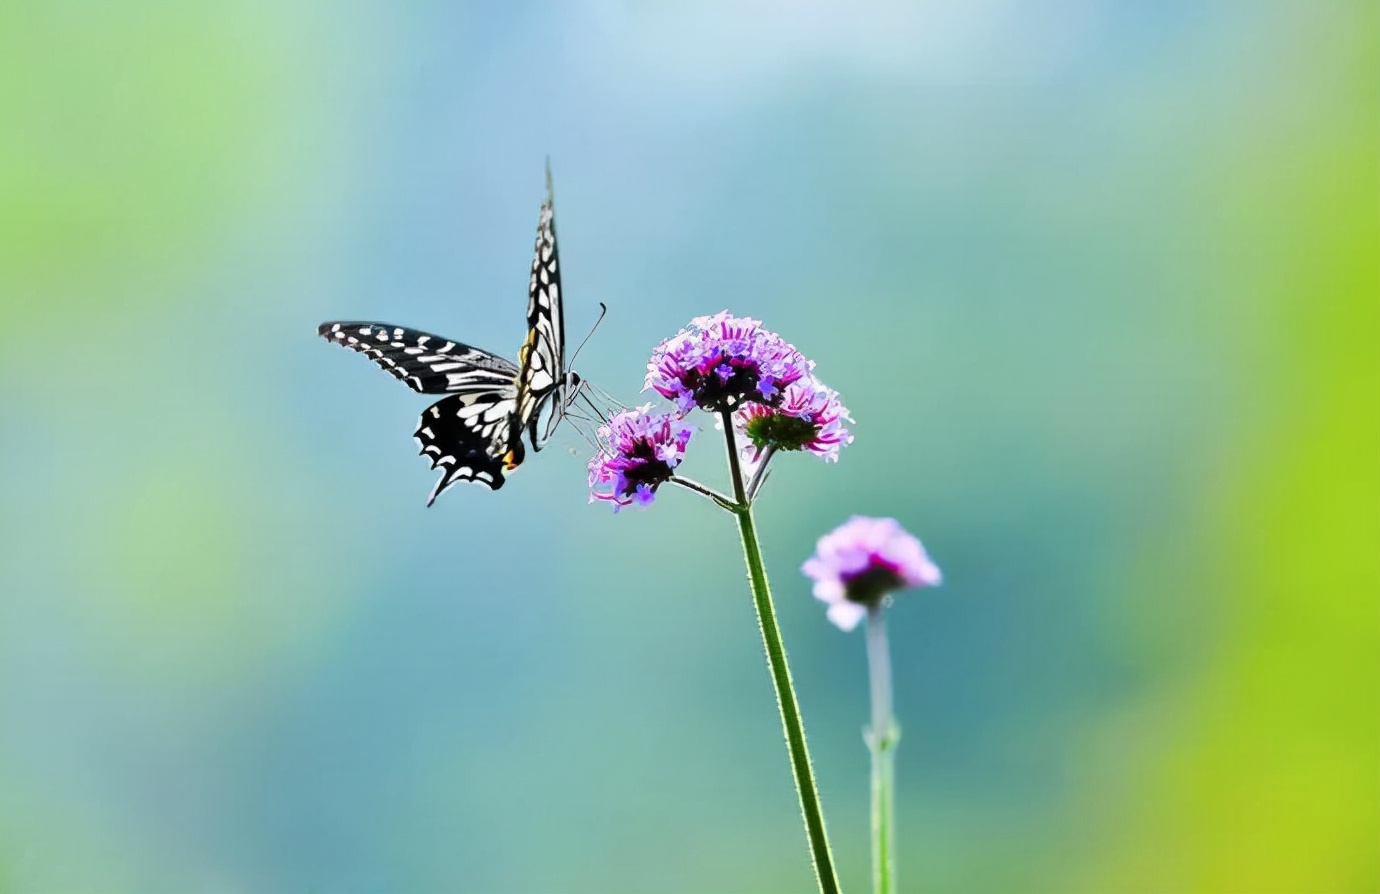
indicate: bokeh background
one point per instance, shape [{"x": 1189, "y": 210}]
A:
[{"x": 1098, "y": 281}]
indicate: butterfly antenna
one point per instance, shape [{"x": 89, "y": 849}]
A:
[
  {"x": 550, "y": 193},
  {"x": 603, "y": 309}
]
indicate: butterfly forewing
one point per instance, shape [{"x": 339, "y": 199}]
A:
[
  {"x": 426, "y": 363},
  {"x": 541, "y": 361}
]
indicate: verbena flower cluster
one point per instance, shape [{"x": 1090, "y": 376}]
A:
[
  {"x": 639, "y": 450},
  {"x": 718, "y": 363},
  {"x": 808, "y": 417},
  {"x": 859, "y": 562}
]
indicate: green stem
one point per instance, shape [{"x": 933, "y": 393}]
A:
[
  {"x": 718, "y": 498},
  {"x": 791, "y": 723},
  {"x": 760, "y": 476},
  {"x": 881, "y": 741}
]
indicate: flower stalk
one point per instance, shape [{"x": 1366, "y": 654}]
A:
[
  {"x": 856, "y": 567},
  {"x": 759, "y": 477},
  {"x": 708, "y": 493},
  {"x": 762, "y": 389},
  {"x": 792, "y": 725},
  {"x": 882, "y": 739}
]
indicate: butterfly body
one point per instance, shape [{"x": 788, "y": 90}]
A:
[{"x": 475, "y": 432}]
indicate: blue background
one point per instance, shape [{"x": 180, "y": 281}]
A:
[{"x": 1098, "y": 282}]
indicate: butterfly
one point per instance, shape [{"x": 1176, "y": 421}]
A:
[{"x": 475, "y": 432}]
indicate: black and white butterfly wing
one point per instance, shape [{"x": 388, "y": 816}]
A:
[
  {"x": 541, "y": 360},
  {"x": 426, "y": 363},
  {"x": 466, "y": 435},
  {"x": 458, "y": 434},
  {"x": 475, "y": 433}
]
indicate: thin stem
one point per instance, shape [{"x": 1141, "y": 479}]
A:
[
  {"x": 691, "y": 484},
  {"x": 881, "y": 741},
  {"x": 760, "y": 476},
  {"x": 735, "y": 466},
  {"x": 791, "y": 723}
]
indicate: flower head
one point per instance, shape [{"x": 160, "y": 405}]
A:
[
  {"x": 722, "y": 361},
  {"x": 861, "y": 561},
  {"x": 808, "y": 417},
  {"x": 641, "y": 448}
]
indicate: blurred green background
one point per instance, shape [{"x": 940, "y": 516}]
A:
[{"x": 1098, "y": 281}]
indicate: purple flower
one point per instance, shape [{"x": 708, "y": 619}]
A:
[
  {"x": 808, "y": 416},
  {"x": 721, "y": 362},
  {"x": 862, "y": 560},
  {"x": 640, "y": 448}
]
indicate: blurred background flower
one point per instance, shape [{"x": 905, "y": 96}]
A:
[
  {"x": 861, "y": 562},
  {"x": 1100, "y": 283}
]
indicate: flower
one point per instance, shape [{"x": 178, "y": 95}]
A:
[
  {"x": 720, "y": 362},
  {"x": 808, "y": 417},
  {"x": 640, "y": 448},
  {"x": 861, "y": 561}
]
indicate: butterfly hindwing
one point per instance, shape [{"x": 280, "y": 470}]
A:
[
  {"x": 426, "y": 363},
  {"x": 458, "y": 433}
]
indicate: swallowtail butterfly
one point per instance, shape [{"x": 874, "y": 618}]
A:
[{"x": 475, "y": 432}]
